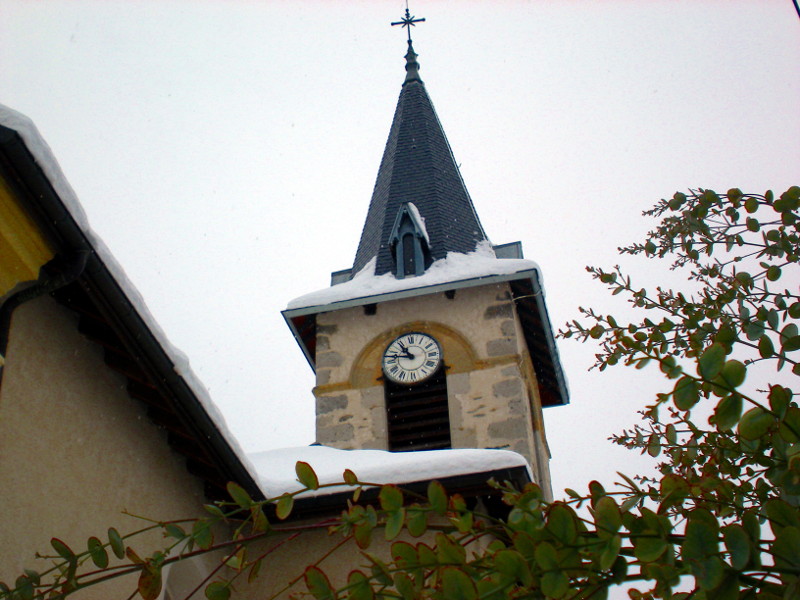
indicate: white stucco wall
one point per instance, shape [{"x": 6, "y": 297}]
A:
[{"x": 75, "y": 449}]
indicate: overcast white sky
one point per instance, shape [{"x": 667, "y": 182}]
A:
[{"x": 226, "y": 153}]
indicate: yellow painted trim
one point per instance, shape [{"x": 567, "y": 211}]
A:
[{"x": 23, "y": 249}]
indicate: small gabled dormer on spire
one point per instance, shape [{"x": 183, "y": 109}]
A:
[
  {"x": 410, "y": 242},
  {"x": 417, "y": 168}
]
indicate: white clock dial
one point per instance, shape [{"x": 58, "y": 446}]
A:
[{"x": 411, "y": 358}]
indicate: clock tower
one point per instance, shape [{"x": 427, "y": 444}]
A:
[{"x": 435, "y": 338}]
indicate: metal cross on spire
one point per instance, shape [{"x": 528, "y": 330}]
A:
[{"x": 408, "y": 21}]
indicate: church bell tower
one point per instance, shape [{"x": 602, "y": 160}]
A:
[{"x": 434, "y": 338}]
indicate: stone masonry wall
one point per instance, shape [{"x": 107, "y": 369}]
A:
[{"x": 492, "y": 391}]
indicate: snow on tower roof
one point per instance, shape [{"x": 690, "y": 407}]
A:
[
  {"x": 277, "y": 467},
  {"x": 456, "y": 266}
]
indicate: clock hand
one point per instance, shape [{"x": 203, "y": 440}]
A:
[{"x": 405, "y": 350}]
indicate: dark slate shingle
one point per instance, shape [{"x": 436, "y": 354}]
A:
[{"x": 418, "y": 166}]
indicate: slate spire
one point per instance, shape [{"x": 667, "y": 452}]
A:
[{"x": 418, "y": 167}]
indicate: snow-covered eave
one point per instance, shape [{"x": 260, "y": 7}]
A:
[
  {"x": 295, "y": 316},
  {"x": 411, "y": 292},
  {"x": 464, "y": 470},
  {"x": 26, "y": 156},
  {"x": 299, "y": 319}
]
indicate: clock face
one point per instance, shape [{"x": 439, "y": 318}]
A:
[{"x": 411, "y": 358}]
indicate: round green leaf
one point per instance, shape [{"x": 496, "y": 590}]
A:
[
  {"x": 98, "y": 553},
  {"x": 150, "y": 582},
  {"x": 686, "y": 393},
  {"x": 708, "y": 572},
  {"x": 306, "y": 475},
  {"x": 734, "y": 373},
  {"x": 728, "y": 412},
  {"x": 239, "y": 495},
  {"x": 789, "y": 332},
  {"x": 555, "y": 584},
  {"x": 201, "y": 532},
  {"x": 511, "y": 564},
  {"x": 610, "y": 551},
  {"x": 737, "y": 543},
  {"x": 561, "y": 523},
  {"x": 607, "y": 517},
  {"x": 405, "y": 585},
  {"x": 774, "y": 273},
  {"x": 417, "y": 522},
  {"x": 449, "y": 551},
  {"x": 218, "y": 590},
  {"x": 546, "y": 556},
  {"x": 62, "y": 549},
  {"x": 791, "y": 344},
  {"x": 765, "y": 347},
  {"x": 648, "y": 547},
  {"x": 790, "y": 425},
  {"x": 394, "y": 523},
  {"x": 318, "y": 584},
  {"x": 654, "y": 445},
  {"x": 404, "y": 554},
  {"x": 712, "y": 361},
  {"x": 779, "y": 398},
  {"x": 457, "y": 584},
  {"x": 284, "y": 506},
  {"x": 391, "y": 498},
  {"x": 358, "y": 587},
  {"x": 437, "y": 497},
  {"x": 115, "y": 541},
  {"x": 24, "y": 588},
  {"x": 754, "y": 330},
  {"x": 755, "y": 423}
]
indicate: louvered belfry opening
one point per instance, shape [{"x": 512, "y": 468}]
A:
[{"x": 418, "y": 415}]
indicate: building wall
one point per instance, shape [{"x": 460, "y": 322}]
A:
[
  {"x": 492, "y": 390},
  {"x": 75, "y": 449},
  {"x": 287, "y": 556}
]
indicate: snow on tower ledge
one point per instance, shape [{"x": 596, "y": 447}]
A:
[
  {"x": 455, "y": 267},
  {"x": 277, "y": 467}
]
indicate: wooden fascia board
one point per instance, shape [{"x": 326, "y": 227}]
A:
[{"x": 23, "y": 248}]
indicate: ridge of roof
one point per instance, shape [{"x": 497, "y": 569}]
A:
[{"x": 418, "y": 166}]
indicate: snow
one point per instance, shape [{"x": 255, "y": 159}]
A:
[
  {"x": 276, "y": 468},
  {"x": 49, "y": 165},
  {"x": 420, "y": 221},
  {"x": 456, "y": 266}
]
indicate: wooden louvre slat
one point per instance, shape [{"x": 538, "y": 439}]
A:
[{"x": 418, "y": 416}]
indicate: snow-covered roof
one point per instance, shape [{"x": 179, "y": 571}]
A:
[
  {"x": 276, "y": 468},
  {"x": 456, "y": 266},
  {"x": 45, "y": 159}
]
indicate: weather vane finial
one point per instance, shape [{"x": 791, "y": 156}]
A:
[{"x": 408, "y": 22}]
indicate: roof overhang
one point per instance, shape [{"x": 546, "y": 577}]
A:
[
  {"x": 97, "y": 295},
  {"x": 469, "y": 486},
  {"x": 528, "y": 296}
]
